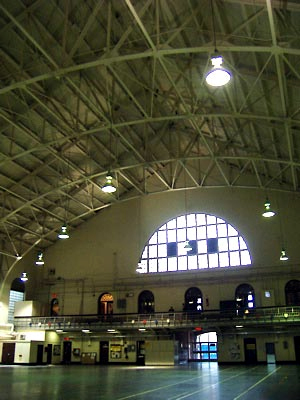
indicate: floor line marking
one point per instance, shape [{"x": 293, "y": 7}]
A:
[
  {"x": 131, "y": 396},
  {"x": 256, "y": 384},
  {"x": 209, "y": 386}
]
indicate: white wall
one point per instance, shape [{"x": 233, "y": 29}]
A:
[{"x": 102, "y": 254}]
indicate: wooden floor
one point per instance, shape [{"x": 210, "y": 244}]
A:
[{"x": 194, "y": 381}]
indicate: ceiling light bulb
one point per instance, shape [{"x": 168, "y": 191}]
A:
[
  {"x": 108, "y": 187},
  {"x": 217, "y": 76},
  {"x": 63, "y": 234}
]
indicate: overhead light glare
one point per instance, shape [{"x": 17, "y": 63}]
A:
[
  {"x": 108, "y": 187},
  {"x": 63, "y": 234},
  {"x": 218, "y": 75},
  {"x": 85, "y": 331}
]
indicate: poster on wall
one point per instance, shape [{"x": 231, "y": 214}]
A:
[{"x": 56, "y": 350}]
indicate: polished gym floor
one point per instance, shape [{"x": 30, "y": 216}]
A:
[{"x": 193, "y": 381}]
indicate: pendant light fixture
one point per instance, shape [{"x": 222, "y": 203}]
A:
[
  {"x": 40, "y": 260},
  {"x": 63, "y": 234},
  {"x": 24, "y": 277},
  {"x": 268, "y": 212},
  {"x": 283, "y": 255},
  {"x": 218, "y": 75},
  {"x": 108, "y": 187},
  {"x": 187, "y": 247}
]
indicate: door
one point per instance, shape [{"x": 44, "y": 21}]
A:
[
  {"x": 270, "y": 352},
  {"x": 104, "y": 346},
  {"x": 140, "y": 352},
  {"x": 8, "y": 353},
  {"x": 39, "y": 357},
  {"x": 297, "y": 348},
  {"x": 49, "y": 354},
  {"x": 250, "y": 351},
  {"x": 67, "y": 352}
]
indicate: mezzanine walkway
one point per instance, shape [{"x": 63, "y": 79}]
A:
[{"x": 283, "y": 317}]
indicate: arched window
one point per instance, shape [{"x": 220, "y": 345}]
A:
[
  {"x": 16, "y": 293},
  {"x": 193, "y": 242},
  {"x": 193, "y": 301},
  {"x": 105, "y": 304},
  {"x": 292, "y": 293},
  {"x": 146, "y": 302},
  {"x": 244, "y": 297}
]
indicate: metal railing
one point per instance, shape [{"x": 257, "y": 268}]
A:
[{"x": 163, "y": 320}]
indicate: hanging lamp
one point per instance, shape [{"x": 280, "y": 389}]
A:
[
  {"x": 108, "y": 187},
  {"x": 268, "y": 212},
  {"x": 218, "y": 75},
  {"x": 24, "y": 277},
  {"x": 188, "y": 246},
  {"x": 283, "y": 255},
  {"x": 63, "y": 234},
  {"x": 40, "y": 260}
]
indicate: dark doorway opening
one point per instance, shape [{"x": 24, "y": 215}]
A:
[
  {"x": 146, "y": 302},
  {"x": 104, "y": 351},
  {"x": 67, "y": 352},
  {"x": 297, "y": 348},
  {"x": 49, "y": 354},
  {"x": 250, "y": 351},
  {"x": 140, "y": 352},
  {"x": 8, "y": 353},
  {"x": 40, "y": 352}
]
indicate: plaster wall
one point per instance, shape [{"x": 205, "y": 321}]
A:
[{"x": 102, "y": 254}]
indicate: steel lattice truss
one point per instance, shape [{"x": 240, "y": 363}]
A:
[{"x": 89, "y": 86}]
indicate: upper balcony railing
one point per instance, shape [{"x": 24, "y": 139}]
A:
[{"x": 162, "y": 320}]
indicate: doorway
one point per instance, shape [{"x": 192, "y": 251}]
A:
[
  {"x": 146, "y": 302},
  {"x": 49, "y": 354},
  {"x": 67, "y": 352},
  {"x": 250, "y": 351},
  {"x": 297, "y": 348},
  {"x": 270, "y": 353},
  {"x": 140, "y": 352},
  {"x": 8, "y": 353},
  {"x": 104, "y": 346},
  {"x": 105, "y": 306},
  {"x": 40, "y": 352}
]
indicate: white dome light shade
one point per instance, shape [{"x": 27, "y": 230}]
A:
[
  {"x": 217, "y": 76},
  {"x": 108, "y": 186},
  {"x": 63, "y": 234},
  {"x": 40, "y": 260},
  {"x": 24, "y": 277},
  {"x": 268, "y": 212},
  {"x": 283, "y": 255}
]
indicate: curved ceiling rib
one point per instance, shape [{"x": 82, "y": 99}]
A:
[{"x": 119, "y": 85}]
